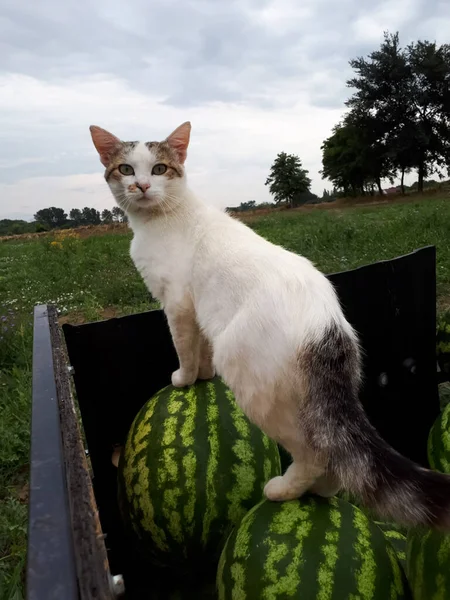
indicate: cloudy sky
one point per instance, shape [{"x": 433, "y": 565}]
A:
[{"x": 255, "y": 77}]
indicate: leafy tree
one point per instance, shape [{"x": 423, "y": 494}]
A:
[
  {"x": 344, "y": 160},
  {"x": 250, "y": 205},
  {"x": 327, "y": 196},
  {"x": 118, "y": 215},
  {"x": 107, "y": 216},
  {"x": 76, "y": 217},
  {"x": 52, "y": 217},
  {"x": 15, "y": 226},
  {"x": 40, "y": 228},
  {"x": 287, "y": 179},
  {"x": 406, "y": 93},
  {"x": 90, "y": 216}
]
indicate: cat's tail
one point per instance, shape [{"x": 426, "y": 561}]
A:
[{"x": 386, "y": 482}]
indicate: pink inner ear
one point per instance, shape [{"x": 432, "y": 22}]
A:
[
  {"x": 179, "y": 140},
  {"x": 106, "y": 143}
]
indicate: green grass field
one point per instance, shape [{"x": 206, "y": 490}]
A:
[{"x": 93, "y": 278}]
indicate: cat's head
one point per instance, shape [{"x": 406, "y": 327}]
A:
[{"x": 144, "y": 176}]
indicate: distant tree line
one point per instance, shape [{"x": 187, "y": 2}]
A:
[
  {"x": 398, "y": 121},
  {"x": 50, "y": 218}
]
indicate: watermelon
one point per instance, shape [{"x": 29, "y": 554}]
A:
[
  {"x": 311, "y": 549},
  {"x": 192, "y": 466},
  {"x": 439, "y": 442},
  {"x": 428, "y": 564},
  {"x": 444, "y": 394},
  {"x": 443, "y": 342},
  {"x": 396, "y": 535}
]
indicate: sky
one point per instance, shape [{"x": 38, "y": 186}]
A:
[{"x": 254, "y": 77}]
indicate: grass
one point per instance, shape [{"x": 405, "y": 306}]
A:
[
  {"x": 347, "y": 238},
  {"x": 89, "y": 278}
]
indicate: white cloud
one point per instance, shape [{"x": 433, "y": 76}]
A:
[
  {"x": 255, "y": 77},
  {"x": 232, "y": 145}
]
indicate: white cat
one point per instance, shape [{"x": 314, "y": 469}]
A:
[{"x": 271, "y": 325}]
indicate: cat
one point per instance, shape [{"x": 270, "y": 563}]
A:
[{"x": 271, "y": 325}]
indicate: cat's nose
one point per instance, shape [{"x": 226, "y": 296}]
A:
[{"x": 143, "y": 186}]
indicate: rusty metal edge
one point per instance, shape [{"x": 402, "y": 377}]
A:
[
  {"x": 50, "y": 571},
  {"x": 93, "y": 573}
]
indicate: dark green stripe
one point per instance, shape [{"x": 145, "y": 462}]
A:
[
  {"x": 313, "y": 549},
  {"x": 143, "y": 496},
  {"x": 347, "y": 562},
  {"x": 428, "y": 560},
  {"x": 314, "y": 543},
  {"x": 326, "y": 571},
  {"x": 189, "y": 467},
  {"x": 153, "y": 460},
  {"x": 244, "y": 464},
  {"x": 200, "y": 439},
  {"x": 212, "y": 467},
  {"x": 170, "y": 467}
]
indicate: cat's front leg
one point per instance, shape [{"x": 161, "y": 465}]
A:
[{"x": 186, "y": 338}]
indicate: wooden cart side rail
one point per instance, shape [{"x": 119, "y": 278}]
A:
[
  {"x": 67, "y": 557},
  {"x": 94, "y": 578},
  {"x": 51, "y": 572}
]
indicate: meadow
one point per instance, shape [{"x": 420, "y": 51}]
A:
[{"x": 92, "y": 277}]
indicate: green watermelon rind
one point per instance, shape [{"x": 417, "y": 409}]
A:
[
  {"x": 428, "y": 564},
  {"x": 439, "y": 442},
  {"x": 192, "y": 466},
  {"x": 443, "y": 342},
  {"x": 312, "y": 548}
]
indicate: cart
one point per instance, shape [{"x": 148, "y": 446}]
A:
[{"x": 76, "y": 548}]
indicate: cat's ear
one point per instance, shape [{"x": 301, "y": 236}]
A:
[
  {"x": 179, "y": 140},
  {"x": 106, "y": 143}
]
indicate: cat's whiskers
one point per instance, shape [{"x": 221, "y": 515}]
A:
[{"x": 172, "y": 216}]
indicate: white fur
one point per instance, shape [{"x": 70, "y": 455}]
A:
[{"x": 256, "y": 303}]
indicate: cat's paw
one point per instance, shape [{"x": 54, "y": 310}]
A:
[
  {"x": 283, "y": 488},
  {"x": 277, "y": 490},
  {"x": 206, "y": 371},
  {"x": 181, "y": 378}
]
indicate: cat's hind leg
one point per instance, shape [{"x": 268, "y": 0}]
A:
[
  {"x": 304, "y": 472},
  {"x": 206, "y": 367},
  {"x": 326, "y": 486}
]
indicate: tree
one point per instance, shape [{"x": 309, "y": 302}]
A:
[
  {"x": 344, "y": 159},
  {"x": 52, "y": 217},
  {"x": 287, "y": 179},
  {"x": 76, "y": 217},
  {"x": 107, "y": 216},
  {"x": 118, "y": 215},
  {"x": 90, "y": 216},
  {"x": 430, "y": 66},
  {"x": 406, "y": 93}
]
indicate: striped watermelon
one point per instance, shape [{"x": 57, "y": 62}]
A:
[
  {"x": 439, "y": 442},
  {"x": 443, "y": 342},
  {"x": 396, "y": 536},
  {"x": 444, "y": 394},
  {"x": 192, "y": 466},
  {"x": 311, "y": 549},
  {"x": 428, "y": 564}
]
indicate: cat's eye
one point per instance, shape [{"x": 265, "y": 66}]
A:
[
  {"x": 159, "y": 169},
  {"x": 126, "y": 170}
]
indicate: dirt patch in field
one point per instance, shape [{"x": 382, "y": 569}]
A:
[
  {"x": 78, "y": 318},
  {"x": 81, "y": 232},
  {"x": 343, "y": 203},
  {"x": 21, "y": 487}
]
